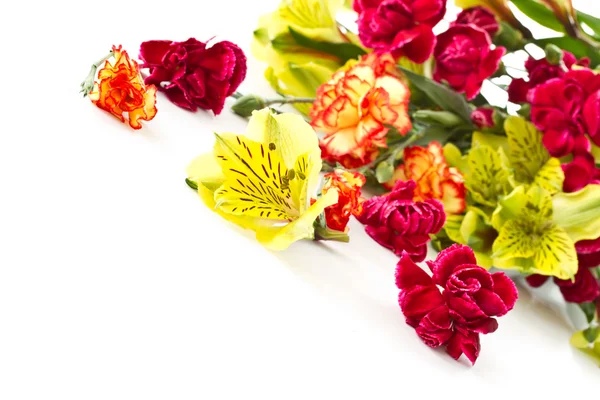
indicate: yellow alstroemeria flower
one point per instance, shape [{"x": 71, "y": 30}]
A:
[
  {"x": 294, "y": 70},
  {"x": 263, "y": 180}
]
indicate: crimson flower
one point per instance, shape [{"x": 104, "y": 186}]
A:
[
  {"x": 469, "y": 299},
  {"x": 400, "y": 224},
  {"x": 580, "y": 172},
  {"x": 540, "y": 71},
  {"x": 565, "y": 109},
  {"x": 193, "y": 74},
  {"x": 403, "y": 27},
  {"x": 464, "y": 58},
  {"x": 479, "y": 16}
]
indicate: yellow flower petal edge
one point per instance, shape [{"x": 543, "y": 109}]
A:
[{"x": 263, "y": 180}]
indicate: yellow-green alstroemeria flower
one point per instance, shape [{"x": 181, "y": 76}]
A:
[
  {"x": 497, "y": 164},
  {"x": 529, "y": 239},
  {"x": 263, "y": 180},
  {"x": 295, "y": 70}
]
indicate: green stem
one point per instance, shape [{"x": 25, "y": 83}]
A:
[
  {"x": 289, "y": 100},
  {"x": 88, "y": 84},
  {"x": 237, "y": 95}
]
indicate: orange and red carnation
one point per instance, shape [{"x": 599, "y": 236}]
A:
[
  {"x": 355, "y": 108},
  {"x": 434, "y": 178},
  {"x": 120, "y": 89},
  {"x": 349, "y": 203}
]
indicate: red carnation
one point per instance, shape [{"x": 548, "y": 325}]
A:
[
  {"x": 464, "y": 58},
  {"x": 194, "y": 75},
  {"x": 403, "y": 27},
  {"x": 469, "y": 299},
  {"x": 567, "y": 108},
  {"x": 540, "y": 71},
  {"x": 580, "y": 172},
  {"x": 479, "y": 16},
  {"x": 400, "y": 224}
]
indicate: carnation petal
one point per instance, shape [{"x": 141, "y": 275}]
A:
[
  {"x": 409, "y": 274},
  {"x": 468, "y": 345},
  {"x": 418, "y": 44},
  {"x": 448, "y": 260},
  {"x": 417, "y": 301},
  {"x": 506, "y": 289},
  {"x": 490, "y": 303}
]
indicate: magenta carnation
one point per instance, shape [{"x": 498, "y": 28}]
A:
[
  {"x": 469, "y": 299},
  {"x": 403, "y": 27},
  {"x": 400, "y": 224},
  {"x": 540, "y": 71},
  {"x": 479, "y": 16},
  {"x": 565, "y": 109},
  {"x": 193, "y": 74},
  {"x": 464, "y": 58}
]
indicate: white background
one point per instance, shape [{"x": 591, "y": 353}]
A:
[{"x": 116, "y": 282}]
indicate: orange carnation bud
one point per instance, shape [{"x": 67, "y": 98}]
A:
[
  {"x": 434, "y": 178},
  {"x": 349, "y": 203},
  {"x": 120, "y": 88}
]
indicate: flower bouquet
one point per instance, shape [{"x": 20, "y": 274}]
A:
[{"x": 471, "y": 135}]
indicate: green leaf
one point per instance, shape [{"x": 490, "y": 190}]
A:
[
  {"x": 191, "y": 183},
  {"x": 343, "y": 51},
  {"x": 575, "y": 46},
  {"x": 384, "y": 172},
  {"x": 441, "y": 95},
  {"x": 589, "y": 309},
  {"x": 539, "y": 13},
  {"x": 591, "y": 21},
  {"x": 578, "y": 213}
]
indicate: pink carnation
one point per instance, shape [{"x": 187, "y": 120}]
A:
[
  {"x": 469, "y": 299},
  {"x": 400, "y": 224},
  {"x": 403, "y": 27}
]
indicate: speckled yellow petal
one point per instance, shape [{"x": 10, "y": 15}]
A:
[{"x": 280, "y": 237}]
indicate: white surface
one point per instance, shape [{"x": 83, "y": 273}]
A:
[{"x": 116, "y": 282}]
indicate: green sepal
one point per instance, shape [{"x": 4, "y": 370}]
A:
[{"x": 384, "y": 171}]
